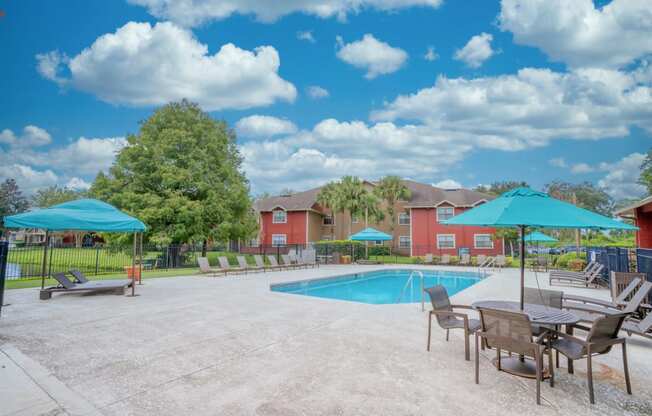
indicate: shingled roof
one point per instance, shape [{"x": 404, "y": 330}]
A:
[{"x": 423, "y": 195}]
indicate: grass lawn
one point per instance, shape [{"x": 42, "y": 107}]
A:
[{"x": 27, "y": 283}]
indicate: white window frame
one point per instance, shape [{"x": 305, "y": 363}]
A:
[
  {"x": 285, "y": 216},
  {"x": 446, "y": 207},
  {"x": 254, "y": 242},
  {"x": 378, "y": 243},
  {"x": 404, "y": 215},
  {"x": 475, "y": 241},
  {"x": 446, "y": 235},
  {"x": 402, "y": 239},
  {"x": 275, "y": 236}
]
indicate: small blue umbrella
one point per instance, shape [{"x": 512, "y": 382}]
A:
[
  {"x": 370, "y": 234},
  {"x": 538, "y": 237}
]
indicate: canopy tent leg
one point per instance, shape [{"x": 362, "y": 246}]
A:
[
  {"x": 45, "y": 258},
  {"x": 140, "y": 258},
  {"x": 133, "y": 267},
  {"x": 522, "y": 252}
]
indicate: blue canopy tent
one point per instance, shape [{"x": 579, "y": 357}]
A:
[
  {"x": 79, "y": 215},
  {"x": 370, "y": 234}
]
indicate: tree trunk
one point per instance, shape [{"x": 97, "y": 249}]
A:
[
  {"x": 511, "y": 248},
  {"x": 204, "y": 247}
]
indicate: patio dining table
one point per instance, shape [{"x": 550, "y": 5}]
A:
[{"x": 539, "y": 315}]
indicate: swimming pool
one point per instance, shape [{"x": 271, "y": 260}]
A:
[{"x": 380, "y": 286}]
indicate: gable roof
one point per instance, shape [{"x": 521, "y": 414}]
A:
[
  {"x": 629, "y": 210},
  {"x": 423, "y": 195}
]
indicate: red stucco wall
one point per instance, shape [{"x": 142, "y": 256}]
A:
[
  {"x": 644, "y": 222},
  {"x": 425, "y": 229},
  {"x": 295, "y": 228}
]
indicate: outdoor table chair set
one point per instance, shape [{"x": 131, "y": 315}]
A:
[{"x": 534, "y": 333}]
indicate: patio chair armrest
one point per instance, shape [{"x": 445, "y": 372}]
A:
[
  {"x": 542, "y": 337},
  {"x": 586, "y": 308},
  {"x": 463, "y": 307},
  {"x": 450, "y": 313},
  {"x": 584, "y": 299}
]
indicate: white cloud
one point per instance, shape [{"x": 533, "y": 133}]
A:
[
  {"x": 196, "y": 12},
  {"x": 372, "y": 55},
  {"x": 306, "y": 35},
  {"x": 558, "y": 162},
  {"x": 316, "y": 92},
  {"x": 621, "y": 181},
  {"x": 264, "y": 126},
  {"x": 334, "y": 148},
  {"x": 78, "y": 184},
  {"x": 580, "y": 168},
  {"x": 141, "y": 65},
  {"x": 430, "y": 54},
  {"x": 32, "y": 136},
  {"x": 476, "y": 51},
  {"x": 578, "y": 33},
  {"x": 27, "y": 178},
  {"x": 448, "y": 184},
  {"x": 530, "y": 108},
  {"x": 73, "y": 163}
]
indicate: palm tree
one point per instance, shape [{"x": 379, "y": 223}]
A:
[
  {"x": 391, "y": 189},
  {"x": 329, "y": 197},
  {"x": 352, "y": 193}
]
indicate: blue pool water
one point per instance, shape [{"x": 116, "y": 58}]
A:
[{"x": 381, "y": 286}]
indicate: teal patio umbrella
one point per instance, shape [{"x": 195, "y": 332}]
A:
[
  {"x": 370, "y": 234},
  {"x": 78, "y": 215},
  {"x": 539, "y": 237},
  {"x": 525, "y": 207}
]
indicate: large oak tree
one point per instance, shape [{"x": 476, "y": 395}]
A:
[{"x": 181, "y": 175}]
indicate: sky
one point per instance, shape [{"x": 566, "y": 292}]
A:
[{"x": 451, "y": 93}]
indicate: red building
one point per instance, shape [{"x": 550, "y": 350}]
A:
[
  {"x": 417, "y": 230},
  {"x": 641, "y": 213}
]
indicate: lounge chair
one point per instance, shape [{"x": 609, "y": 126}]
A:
[
  {"x": 501, "y": 261},
  {"x": 448, "y": 319},
  {"x": 582, "y": 279},
  {"x": 242, "y": 262},
  {"x": 301, "y": 261},
  {"x": 205, "y": 267},
  {"x": 260, "y": 263},
  {"x": 587, "y": 269},
  {"x": 445, "y": 259},
  {"x": 288, "y": 263},
  {"x": 65, "y": 285},
  {"x": 428, "y": 259},
  {"x": 617, "y": 302},
  {"x": 274, "y": 263},
  {"x": 465, "y": 259},
  {"x": 591, "y": 311},
  {"x": 81, "y": 278},
  {"x": 620, "y": 282},
  {"x": 481, "y": 259},
  {"x": 602, "y": 336},
  {"x": 512, "y": 332},
  {"x": 639, "y": 327},
  {"x": 224, "y": 264}
]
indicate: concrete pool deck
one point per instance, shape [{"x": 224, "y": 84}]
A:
[{"x": 229, "y": 346}]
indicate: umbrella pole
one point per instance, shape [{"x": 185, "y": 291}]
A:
[
  {"x": 45, "y": 258},
  {"x": 140, "y": 257},
  {"x": 522, "y": 250}
]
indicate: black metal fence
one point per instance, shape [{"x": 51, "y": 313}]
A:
[
  {"x": 4, "y": 249},
  {"x": 644, "y": 262}
]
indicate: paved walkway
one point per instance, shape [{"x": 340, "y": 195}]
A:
[{"x": 229, "y": 346}]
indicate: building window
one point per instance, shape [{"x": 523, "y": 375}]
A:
[
  {"x": 328, "y": 220},
  {"x": 279, "y": 217},
  {"x": 404, "y": 241},
  {"x": 444, "y": 213},
  {"x": 445, "y": 240},
  {"x": 378, "y": 243},
  {"x": 279, "y": 240},
  {"x": 254, "y": 242},
  {"x": 354, "y": 219},
  {"x": 483, "y": 241},
  {"x": 404, "y": 218}
]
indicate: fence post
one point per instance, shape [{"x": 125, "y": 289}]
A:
[
  {"x": 4, "y": 253},
  {"x": 97, "y": 259}
]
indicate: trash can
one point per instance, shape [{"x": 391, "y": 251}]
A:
[{"x": 133, "y": 272}]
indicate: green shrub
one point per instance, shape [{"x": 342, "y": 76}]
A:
[
  {"x": 343, "y": 247},
  {"x": 562, "y": 261},
  {"x": 379, "y": 251}
]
